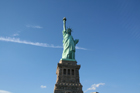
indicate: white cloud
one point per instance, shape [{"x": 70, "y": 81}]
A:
[
  {"x": 3, "y": 91},
  {"x": 33, "y": 26},
  {"x": 94, "y": 86},
  {"x": 17, "y": 40},
  {"x": 43, "y": 86},
  {"x": 16, "y": 34},
  {"x": 80, "y": 48}
]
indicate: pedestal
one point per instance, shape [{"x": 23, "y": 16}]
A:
[{"x": 68, "y": 77}]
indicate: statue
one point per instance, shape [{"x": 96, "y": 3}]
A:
[{"x": 68, "y": 43}]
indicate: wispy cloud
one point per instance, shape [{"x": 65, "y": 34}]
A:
[
  {"x": 43, "y": 86},
  {"x": 34, "y": 26},
  {"x": 17, "y": 40},
  {"x": 3, "y": 91},
  {"x": 94, "y": 86},
  {"x": 16, "y": 34},
  {"x": 80, "y": 48}
]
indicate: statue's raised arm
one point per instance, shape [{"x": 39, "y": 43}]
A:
[
  {"x": 68, "y": 43},
  {"x": 64, "y": 24}
]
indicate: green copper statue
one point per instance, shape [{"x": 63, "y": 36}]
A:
[{"x": 68, "y": 43}]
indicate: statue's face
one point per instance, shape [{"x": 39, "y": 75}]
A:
[{"x": 69, "y": 31}]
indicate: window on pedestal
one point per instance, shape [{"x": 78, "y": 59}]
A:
[
  {"x": 72, "y": 71},
  {"x": 64, "y": 71},
  {"x": 68, "y": 71}
]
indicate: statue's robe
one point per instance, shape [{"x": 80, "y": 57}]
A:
[{"x": 68, "y": 46}]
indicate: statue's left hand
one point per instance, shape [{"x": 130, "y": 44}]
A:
[{"x": 76, "y": 41}]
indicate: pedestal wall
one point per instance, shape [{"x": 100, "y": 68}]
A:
[{"x": 68, "y": 77}]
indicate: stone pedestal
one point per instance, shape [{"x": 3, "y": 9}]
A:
[{"x": 68, "y": 77}]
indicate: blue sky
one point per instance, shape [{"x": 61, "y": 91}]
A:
[{"x": 31, "y": 44}]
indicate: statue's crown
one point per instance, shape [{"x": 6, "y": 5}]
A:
[{"x": 69, "y": 29}]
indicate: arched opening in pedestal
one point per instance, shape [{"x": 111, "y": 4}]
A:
[{"x": 68, "y": 92}]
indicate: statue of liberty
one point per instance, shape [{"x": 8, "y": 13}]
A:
[{"x": 68, "y": 43}]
